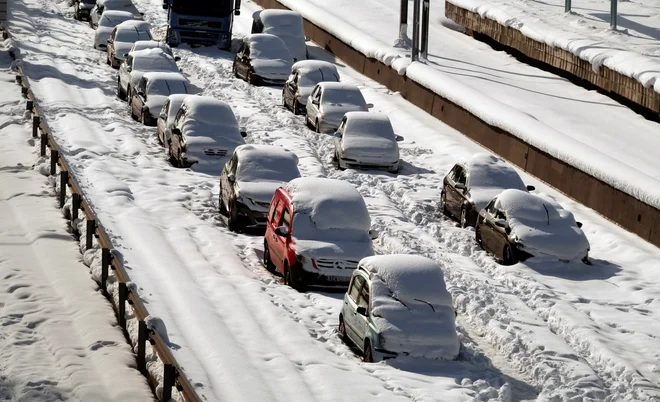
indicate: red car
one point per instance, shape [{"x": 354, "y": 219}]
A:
[{"x": 317, "y": 231}]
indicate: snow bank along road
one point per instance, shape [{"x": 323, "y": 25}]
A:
[
  {"x": 58, "y": 335},
  {"x": 538, "y": 329}
]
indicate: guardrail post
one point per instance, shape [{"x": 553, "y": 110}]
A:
[
  {"x": 567, "y": 6},
  {"x": 24, "y": 91},
  {"x": 75, "y": 205},
  {"x": 613, "y": 13},
  {"x": 123, "y": 296},
  {"x": 64, "y": 183},
  {"x": 35, "y": 125},
  {"x": 168, "y": 381},
  {"x": 29, "y": 105},
  {"x": 44, "y": 143},
  {"x": 143, "y": 334},
  {"x": 91, "y": 228},
  {"x": 415, "y": 47},
  {"x": 19, "y": 79},
  {"x": 105, "y": 262},
  {"x": 53, "y": 161},
  {"x": 426, "y": 5}
]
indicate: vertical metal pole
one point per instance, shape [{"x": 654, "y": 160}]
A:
[
  {"x": 44, "y": 143},
  {"x": 143, "y": 333},
  {"x": 105, "y": 263},
  {"x": 415, "y": 48},
  {"x": 123, "y": 296},
  {"x": 168, "y": 382},
  {"x": 28, "y": 105},
  {"x": 425, "y": 28},
  {"x": 403, "y": 21},
  {"x": 75, "y": 205},
  {"x": 91, "y": 228},
  {"x": 613, "y": 13},
  {"x": 64, "y": 183},
  {"x": 567, "y": 6},
  {"x": 35, "y": 126},
  {"x": 53, "y": 161}
]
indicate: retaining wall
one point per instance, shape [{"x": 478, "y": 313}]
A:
[{"x": 616, "y": 205}]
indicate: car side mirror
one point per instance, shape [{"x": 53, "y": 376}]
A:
[
  {"x": 231, "y": 178},
  {"x": 142, "y": 14},
  {"x": 282, "y": 231},
  {"x": 374, "y": 234},
  {"x": 142, "y": 94},
  {"x": 370, "y": 105},
  {"x": 500, "y": 222},
  {"x": 531, "y": 188},
  {"x": 177, "y": 58},
  {"x": 398, "y": 138},
  {"x": 164, "y": 5},
  {"x": 579, "y": 224},
  {"x": 336, "y": 134},
  {"x": 460, "y": 186},
  {"x": 176, "y": 131},
  {"x": 362, "y": 310}
]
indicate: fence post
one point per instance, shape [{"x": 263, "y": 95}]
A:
[
  {"x": 64, "y": 183},
  {"x": 53, "y": 161},
  {"x": 567, "y": 6},
  {"x": 123, "y": 296},
  {"x": 75, "y": 206},
  {"x": 35, "y": 125},
  {"x": 143, "y": 334},
  {"x": 105, "y": 262},
  {"x": 44, "y": 143},
  {"x": 89, "y": 238},
  {"x": 425, "y": 28},
  {"x": 29, "y": 104},
  {"x": 613, "y": 13},
  {"x": 168, "y": 381},
  {"x": 403, "y": 21},
  {"x": 415, "y": 48}
]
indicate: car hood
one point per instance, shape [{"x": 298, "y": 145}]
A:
[
  {"x": 482, "y": 196},
  {"x": 272, "y": 69},
  {"x": 333, "y": 250},
  {"x": 562, "y": 242},
  {"x": 371, "y": 149},
  {"x": 418, "y": 329},
  {"x": 261, "y": 191}
]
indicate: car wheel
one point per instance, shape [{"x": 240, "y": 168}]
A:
[
  {"x": 233, "y": 218},
  {"x": 367, "y": 354},
  {"x": 297, "y": 107},
  {"x": 222, "y": 208},
  {"x": 173, "y": 160},
  {"x": 342, "y": 330},
  {"x": 477, "y": 236},
  {"x": 443, "y": 203},
  {"x": 463, "y": 221},
  {"x": 120, "y": 92},
  {"x": 507, "y": 256},
  {"x": 317, "y": 127},
  {"x": 268, "y": 263},
  {"x": 250, "y": 78},
  {"x": 291, "y": 279}
]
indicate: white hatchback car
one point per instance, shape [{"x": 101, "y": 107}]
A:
[
  {"x": 108, "y": 21},
  {"x": 304, "y": 76},
  {"x": 399, "y": 305},
  {"x": 123, "y": 37},
  {"x": 366, "y": 140},
  {"x": 166, "y": 117},
  {"x": 140, "y": 62},
  {"x": 329, "y": 102}
]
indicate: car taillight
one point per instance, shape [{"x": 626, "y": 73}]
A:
[{"x": 314, "y": 264}]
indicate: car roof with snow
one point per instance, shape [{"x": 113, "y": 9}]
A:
[
  {"x": 119, "y": 14},
  {"x": 151, "y": 44},
  {"x": 487, "y": 170},
  {"x": 258, "y": 162},
  {"x": 518, "y": 204},
  {"x": 331, "y": 203},
  {"x": 279, "y": 18},
  {"x": 306, "y": 65},
  {"x": 368, "y": 124},
  {"x": 165, "y": 76},
  {"x": 209, "y": 110},
  {"x": 268, "y": 47},
  {"x": 134, "y": 24}
]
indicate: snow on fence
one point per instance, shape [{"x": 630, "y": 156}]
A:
[{"x": 113, "y": 278}]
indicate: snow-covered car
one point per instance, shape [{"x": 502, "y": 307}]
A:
[
  {"x": 366, "y": 140},
  {"x": 329, "y": 102},
  {"x": 151, "y": 92},
  {"x": 137, "y": 64},
  {"x": 317, "y": 231},
  {"x": 123, "y": 37},
  {"x": 286, "y": 25},
  {"x": 166, "y": 117},
  {"x": 304, "y": 76},
  {"x": 470, "y": 186},
  {"x": 399, "y": 305},
  {"x": 204, "y": 134},
  {"x": 262, "y": 59},
  {"x": 102, "y": 6},
  {"x": 249, "y": 180},
  {"x": 109, "y": 20},
  {"x": 517, "y": 225},
  {"x": 82, "y": 9},
  {"x": 153, "y": 44}
]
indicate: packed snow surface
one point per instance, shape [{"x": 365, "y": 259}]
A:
[
  {"x": 411, "y": 307},
  {"x": 288, "y": 26},
  {"x": 488, "y": 175}
]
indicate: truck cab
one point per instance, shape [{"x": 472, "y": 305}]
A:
[{"x": 200, "y": 22}]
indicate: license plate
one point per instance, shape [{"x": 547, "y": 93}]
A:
[{"x": 336, "y": 279}]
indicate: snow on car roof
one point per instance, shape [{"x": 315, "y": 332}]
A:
[
  {"x": 368, "y": 124},
  {"x": 339, "y": 93},
  {"x": 280, "y": 18},
  {"x": 315, "y": 65},
  {"x": 134, "y": 24},
  {"x": 488, "y": 171},
  {"x": 118, "y": 14},
  {"x": 409, "y": 277},
  {"x": 330, "y": 203},
  {"x": 165, "y": 75},
  {"x": 151, "y": 44},
  {"x": 153, "y": 60},
  {"x": 209, "y": 110},
  {"x": 257, "y": 162},
  {"x": 521, "y": 205},
  {"x": 268, "y": 47}
]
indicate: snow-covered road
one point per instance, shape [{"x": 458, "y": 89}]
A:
[
  {"x": 59, "y": 339},
  {"x": 541, "y": 327}
]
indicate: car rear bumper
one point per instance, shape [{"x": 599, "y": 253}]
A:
[
  {"x": 353, "y": 164},
  {"x": 320, "y": 279},
  {"x": 248, "y": 219}
]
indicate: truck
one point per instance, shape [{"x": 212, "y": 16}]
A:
[{"x": 201, "y": 22}]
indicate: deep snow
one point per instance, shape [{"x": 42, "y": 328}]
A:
[
  {"x": 535, "y": 328},
  {"x": 59, "y": 339}
]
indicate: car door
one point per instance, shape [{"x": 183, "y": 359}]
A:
[
  {"x": 226, "y": 186},
  {"x": 278, "y": 243},
  {"x": 500, "y": 237},
  {"x": 290, "y": 89},
  {"x": 351, "y": 303},
  {"x": 124, "y": 72},
  {"x": 162, "y": 120},
  {"x": 362, "y": 320},
  {"x": 111, "y": 44},
  {"x": 339, "y": 138},
  {"x": 487, "y": 227},
  {"x": 139, "y": 97},
  {"x": 452, "y": 193},
  {"x": 313, "y": 108},
  {"x": 241, "y": 59}
]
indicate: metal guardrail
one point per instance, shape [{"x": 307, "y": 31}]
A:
[{"x": 172, "y": 373}]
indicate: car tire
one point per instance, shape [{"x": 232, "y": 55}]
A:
[
  {"x": 477, "y": 236},
  {"x": 317, "y": 127},
  {"x": 232, "y": 220},
  {"x": 342, "y": 330},
  {"x": 463, "y": 219},
  {"x": 291, "y": 279},
  {"x": 221, "y": 208},
  {"x": 173, "y": 160},
  {"x": 297, "y": 107},
  {"x": 120, "y": 92},
  {"x": 367, "y": 355},
  {"x": 507, "y": 256},
  {"x": 268, "y": 263}
]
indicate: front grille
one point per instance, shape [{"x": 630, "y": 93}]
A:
[
  {"x": 200, "y": 24},
  {"x": 336, "y": 264},
  {"x": 200, "y": 35},
  {"x": 263, "y": 204},
  {"x": 215, "y": 152}
]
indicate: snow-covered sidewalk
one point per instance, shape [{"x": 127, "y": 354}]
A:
[{"x": 58, "y": 335}]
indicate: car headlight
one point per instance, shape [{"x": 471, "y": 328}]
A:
[
  {"x": 381, "y": 340},
  {"x": 520, "y": 245}
]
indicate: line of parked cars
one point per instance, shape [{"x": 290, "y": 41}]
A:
[{"x": 317, "y": 231}]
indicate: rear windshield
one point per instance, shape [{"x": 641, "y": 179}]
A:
[
  {"x": 131, "y": 35},
  {"x": 166, "y": 87}
]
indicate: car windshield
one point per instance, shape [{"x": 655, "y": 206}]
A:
[
  {"x": 131, "y": 35},
  {"x": 216, "y": 8},
  {"x": 268, "y": 49},
  {"x": 161, "y": 63},
  {"x": 167, "y": 87},
  {"x": 114, "y": 20},
  {"x": 343, "y": 96},
  {"x": 268, "y": 168},
  {"x": 310, "y": 78}
]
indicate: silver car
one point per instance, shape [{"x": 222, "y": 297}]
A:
[{"x": 329, "y": 102}]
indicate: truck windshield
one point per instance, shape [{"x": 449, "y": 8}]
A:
[{"x": 203, "y": 8}]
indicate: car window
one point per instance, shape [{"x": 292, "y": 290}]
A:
[
  {"x": 363, "y": 300},
  {"x": 491, "y": 207},
  {"x": 316, "y": 92},
  {"x": 459, "y": 175},
  {"x": 356, "y": 286},
  {"x": 179, "y": 116},
  {"x": 273, "y": 209},
  {"x": 286, "y": 219},
  {"x": 113, "y": 35},
  {"x": 163, "y": 111}
]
